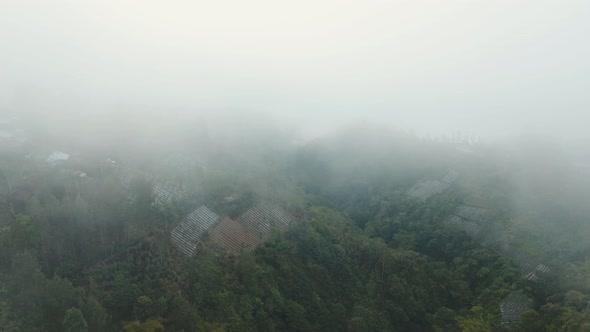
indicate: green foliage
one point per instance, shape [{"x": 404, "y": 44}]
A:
[
  {"x": 25, "y": 283},
  {"x": 475, "y": 321},
  {"x": 530, "y": 321},
  {"x": 144, "y": 307},
  {"x": 8, "y": 322},
  {"x": 123, "y": 296},
  {"x": 74, "y": 321},
  {"x": 363, "y": 256},
  {"x": 95, "y": 314},
  {"x": 147, "y": 326}
]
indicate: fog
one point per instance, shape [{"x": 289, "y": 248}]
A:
[
  {"x": 325, "y": 165},
  {"x": 489, "y": 69}
]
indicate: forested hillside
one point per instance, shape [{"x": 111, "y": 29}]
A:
[{"x": 371, "y": 243}]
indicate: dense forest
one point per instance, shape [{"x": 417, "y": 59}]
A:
[{"x": 85, "y": 244}]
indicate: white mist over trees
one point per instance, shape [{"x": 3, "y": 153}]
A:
[
  {"x": 484, "y": 69},
  {"x": 294, "y": 166}
]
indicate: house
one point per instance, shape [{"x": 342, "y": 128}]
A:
[{"x": 57, "y": 158}]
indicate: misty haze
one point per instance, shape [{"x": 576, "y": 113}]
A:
[{"x": 294, "y": 166}]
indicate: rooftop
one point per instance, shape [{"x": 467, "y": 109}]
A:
[{"x": 57, "y": 157}]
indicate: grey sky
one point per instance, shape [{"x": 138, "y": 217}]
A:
[{"x": 482, "y": 67}]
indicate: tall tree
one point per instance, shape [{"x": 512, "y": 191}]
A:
[{"x": 74, "y": 321}]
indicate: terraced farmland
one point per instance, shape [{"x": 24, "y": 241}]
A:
[
  {"x": 473, "y": 220},
  {"x": 428, "y": 188},
  {"x": 451, "y": 177},
  {"x": 263, "y": 217},
  {"x": 465, "y": 225},
  {"x": 530, "y": 268},
  {"x": 513, "y": 306},
  {"x": 165, "y": 193},
  {"x": 186, "y": 234},
  {"x": 251, "y": 228},
  {"x": 469, "y": 219},
  {"x": 233, "y": 236}
]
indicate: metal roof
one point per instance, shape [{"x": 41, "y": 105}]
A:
[{"x": 57, "y": 156}]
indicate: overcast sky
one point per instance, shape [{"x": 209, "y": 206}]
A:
[{"x": 482, "y": 67}]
